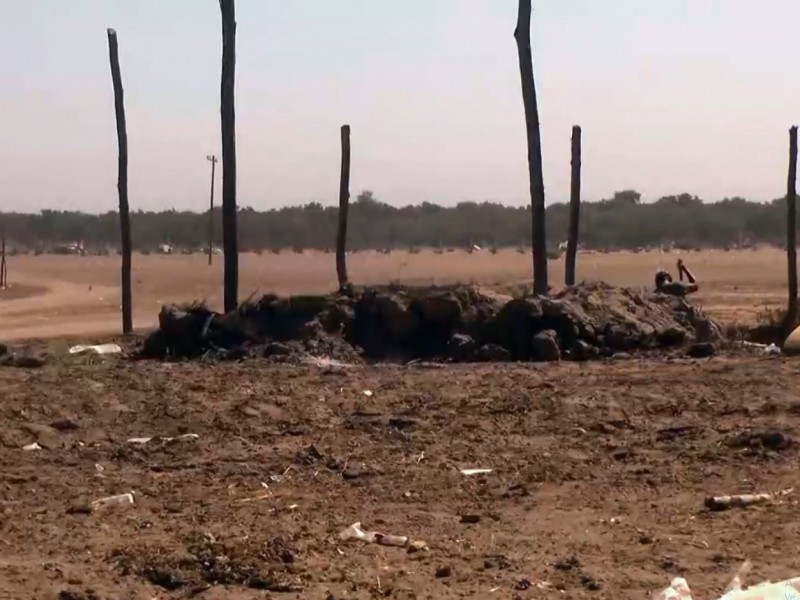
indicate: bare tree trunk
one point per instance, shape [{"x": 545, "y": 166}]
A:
[
  {"x": 791, "y": 231},
  {"x": 538, "y": 234},
  {"x": 3, "y": 267},
  {"x": 230, "y": 245},
  {"x": 574, "y": 208},
  {"x": 213, "y": 160},
  {"x": 344, "y": 201},
  {"x": 122, "y": 183}
]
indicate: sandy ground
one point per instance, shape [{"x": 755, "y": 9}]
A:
[
  {"x": 53, "y": 296},
  {"x": 599, "y": 471},
  {"x": 599, "y": 476}
]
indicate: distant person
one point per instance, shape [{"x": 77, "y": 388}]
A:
[{"x": 666, "y": 285}]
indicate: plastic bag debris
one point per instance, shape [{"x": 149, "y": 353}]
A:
[
  {"x": 122, "y": 500},
  {"x": 470, "y": 472},
  {"x": 146, "y": 440},
  {"x": 98, "y": 349},
  {"x": 788, "y": 589},
  {"x": 356, "y": 532}
]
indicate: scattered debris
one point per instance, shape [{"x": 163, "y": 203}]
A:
[
  {"x": 471, "y": 472},
  {"x": 32, "y": 447},
  {"x": 122, "y": 500},
  {"x": 100, "y": 349},
  {"x": 786, "y": 589},
  {"x": 720, "y": 503},
  {"x": 167, "y": 440},
  {"x": 368, "y": 393},
  {"x": 356, "y": 532}
]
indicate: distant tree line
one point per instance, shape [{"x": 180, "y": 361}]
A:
[{"x": 620, "y": 222}]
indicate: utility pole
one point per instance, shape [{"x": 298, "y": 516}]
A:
[{"x": 212, "y": 158}]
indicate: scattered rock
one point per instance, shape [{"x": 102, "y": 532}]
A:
[
  {"x": 470, "y": 519},
  {"x": 770, "y": 439},
  {"x": 165, "y": 579},
  {"x": 701, "y": 350},
  {"x": 545, "y": 346},
  {"x": 459, "y": 323},
  {"x": 403, "y": 422},
  {"x": 355, "y": 471},
  {"x": 277, "y": 349},
  {"x": 492, "y": 353},
  {"x": 65, "y": 425},
  {"x": 567, "y": 564},
  {"x": 582, "y": 351},
  {"x": 442, "y": 572},
  {"x": 461, "y": 347},
  {"x": 80, "y": 507},
  {"x": 671, "y": 336}
]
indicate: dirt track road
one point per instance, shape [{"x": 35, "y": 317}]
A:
[{"x": 599, "y": 477}]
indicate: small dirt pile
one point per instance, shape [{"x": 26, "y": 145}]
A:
[{"x": 452, "y": 323}]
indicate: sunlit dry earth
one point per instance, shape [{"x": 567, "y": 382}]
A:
[
  {"x": 57, "y": 295},
  {"x": 598, "y": 470}
]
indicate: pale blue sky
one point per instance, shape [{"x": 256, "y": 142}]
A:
[{"x": 673, "y": 95}]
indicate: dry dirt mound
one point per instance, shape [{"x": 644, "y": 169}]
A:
[{"x": 462, "y": 324}]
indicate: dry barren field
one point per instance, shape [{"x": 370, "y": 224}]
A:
[
  {"x": 598, "y": 470},
  {"x": 54, "y": 296}
]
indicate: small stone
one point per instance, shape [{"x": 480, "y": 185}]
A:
[
  {"x": 545, "y": 346},
  {"x": 470, "y": 519},
  {"x": 701, "y": 350},
  {"x": 442, "y": 572},
  {"x": 65, "y": 425},
  {"x": 355, "y": 470},
  {"x": 416, "y": 546},
  {"x": 80, "y": 507}
]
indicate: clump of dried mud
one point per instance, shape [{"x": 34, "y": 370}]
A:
[{"x": 458, "y": 324}]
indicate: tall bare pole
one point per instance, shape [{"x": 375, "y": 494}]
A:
[
  {"x": 213, "y": 159},
  {"x": 122, "y": 182},
  {"x": 344, "y": 201},
  {"x": 791, "y": 231},
  {"x": 3, "y": 267},
  {"x": 574, "y": 208},
  {"x": 536, "y": 179},
  {"x": 230, "y": 246}
]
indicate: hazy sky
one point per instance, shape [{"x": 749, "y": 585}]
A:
[{"x": 673, "y": 95}]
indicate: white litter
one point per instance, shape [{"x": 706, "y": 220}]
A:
[
  {"x": 146, "y": 440},
  {"x": 356, "y": 532},
  {"x": 789, "y": 589},
  {"x": 122, "y": 500},
  {"x": 368, "y": 393},
  {"x": 470, "y": 472},
  {"x": 32, "y": 447},
  {"x": 99, "y": 349}
]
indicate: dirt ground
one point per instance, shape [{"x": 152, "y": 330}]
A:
[
  {"x": 599, "y": 476},
  {"x": 599, "y": 470},
  {"x": 68, "y": 295}
]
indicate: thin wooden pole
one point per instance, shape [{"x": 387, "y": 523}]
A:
[
  {"x": 213, "y": 160},
  {"x": 791, "y": 231},
  {"x": 230, "y": 245},
  {"x": 122, "y": 183},
  {"x": 3, "y": 267},
  {"x": 536, "y": 179},
  {"x": 574, "y": 208},
  {"x": 344, "y": 201}
]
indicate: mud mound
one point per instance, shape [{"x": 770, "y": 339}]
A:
[{"x": 450, "y": 323}]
